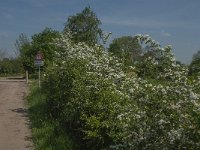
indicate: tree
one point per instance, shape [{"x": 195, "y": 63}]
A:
[
  {"x": 20, "y": 43},
  {"x": 127, "y": 48},
  {"x": 84, "y": 27},
  {"x": 40, "y": 42},
  {"x": 23, "y": 46},
  {"x": 2, "y": 54},
  {"x": 43, "y": 42},
  {"x": 194, "y": 67}
]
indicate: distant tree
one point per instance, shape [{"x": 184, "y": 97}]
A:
[
  {"x": 194, "y": 67},
  {"x": 197, "y": 55},
  {"x": 10, "y": 66},
  {"x": 21, "y": 43},
  {"x": 2, "y": 54},
  {"x": 127, "y": 48},
  {"x": 23, "y": 51},
  {"x": 180, "y": 63},
  {"x": 84, "y": 27}
]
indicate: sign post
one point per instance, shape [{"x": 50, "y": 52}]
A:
[{"x": 39, "y": 62}]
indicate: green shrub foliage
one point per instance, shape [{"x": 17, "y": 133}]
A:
[{"x": 106, "y": 108}]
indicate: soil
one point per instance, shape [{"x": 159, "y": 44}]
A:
[{"x": 15, "y": 132}]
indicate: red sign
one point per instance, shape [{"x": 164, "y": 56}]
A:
[{"x": 39, "y": 56}]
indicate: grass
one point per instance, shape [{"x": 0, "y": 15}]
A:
[{"x": 47, "y": 133}]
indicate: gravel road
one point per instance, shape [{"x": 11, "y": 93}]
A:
[{"x": 15, "y": 133}]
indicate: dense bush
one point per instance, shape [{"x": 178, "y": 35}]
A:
[{"x": 89, "y": 92}]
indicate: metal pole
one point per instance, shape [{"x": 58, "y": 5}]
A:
[
  {"x": 26, "y": 76},
  {"x": 39, "y": 76}
]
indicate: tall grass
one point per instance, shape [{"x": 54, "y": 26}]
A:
[{"x": 47, "y": 133}]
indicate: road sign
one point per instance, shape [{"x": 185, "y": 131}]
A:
[
  {"x": 39, "y": 56},
  {"x": 39, "y": 62},
  {"x": 39, "y": 59}
]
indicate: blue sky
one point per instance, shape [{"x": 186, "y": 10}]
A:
[{"x": 170, "y": 22}]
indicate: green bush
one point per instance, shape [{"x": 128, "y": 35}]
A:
[{"x": 89, "y": 93}]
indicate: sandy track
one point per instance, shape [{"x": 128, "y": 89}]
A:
[{"x": 14, "y": 124}]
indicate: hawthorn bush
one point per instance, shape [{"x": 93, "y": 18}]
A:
[{"x": 107, "y": 108}]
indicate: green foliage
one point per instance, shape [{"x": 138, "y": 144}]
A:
[
  {"x": 87, "y": 102},
  {"x": 127, "y": 49},
  {"x": 84, "y": 27},
  {"x": 194, "y": 67},
  {"x": 40, "y": 42},
  {"x": 47, "y": 134},
  {"x": 43, "y": 42},
  {"x": 88, "y": 92},
  {"x": 23, "y": 46},
  {"x": 155, "y": 60}
]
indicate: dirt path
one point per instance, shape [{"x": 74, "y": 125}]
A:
[{"x": 14, "y": 124}]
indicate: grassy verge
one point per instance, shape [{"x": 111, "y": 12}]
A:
[{"x": 47, "y": 134}]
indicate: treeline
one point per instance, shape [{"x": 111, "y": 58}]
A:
[
  {"x": 11, "y": 66},
  {"x": 85, "y": 27}
]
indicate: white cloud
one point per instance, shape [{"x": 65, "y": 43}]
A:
[{"x": 166, "y": 34}]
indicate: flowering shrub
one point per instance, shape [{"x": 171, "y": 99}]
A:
[{"x": 89, "y": 92}]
